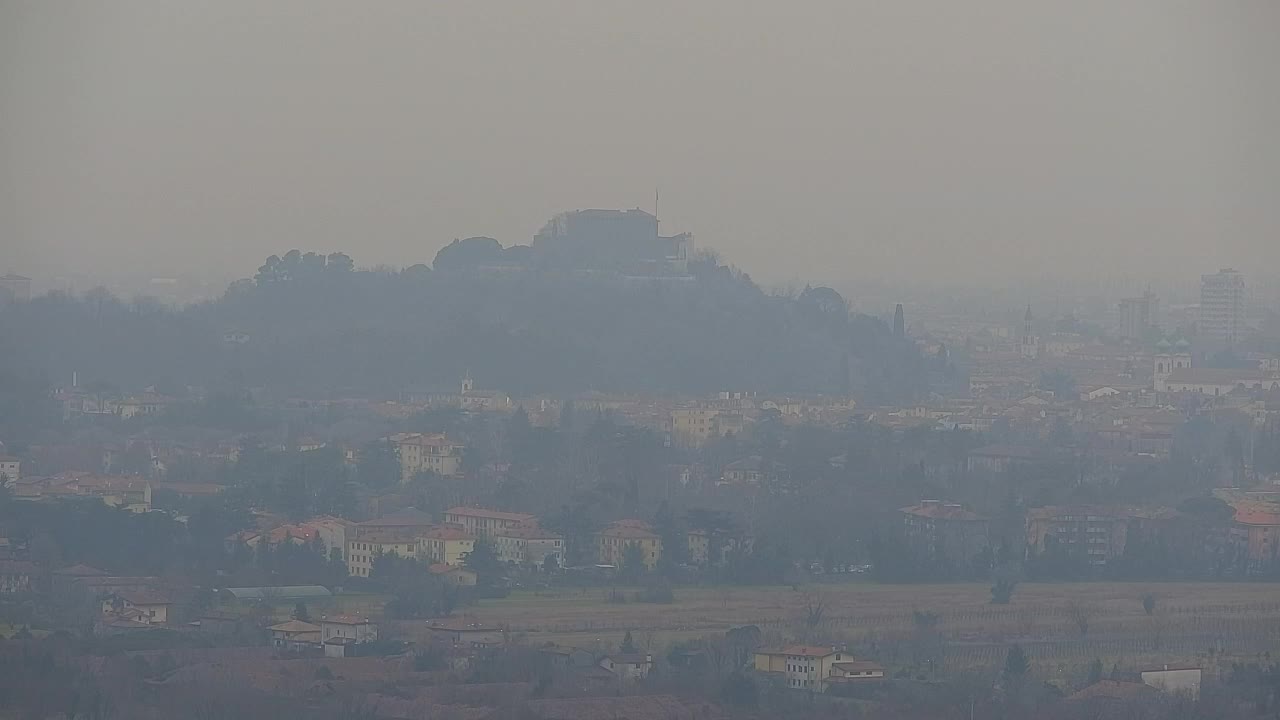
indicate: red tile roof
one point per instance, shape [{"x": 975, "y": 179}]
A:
[{"x": 1258, "y": 515}]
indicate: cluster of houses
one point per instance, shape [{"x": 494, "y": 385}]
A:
[
  {"x": 936, "y": 529},
  {"x": 816, "y": 668},
  {"x": 129, "y": 492},
  {"x": 517, "y": 539}
]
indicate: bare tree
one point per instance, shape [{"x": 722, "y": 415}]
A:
[
  {"x": 815, "y": 607},
  {"x": 1159, "y": 622},
  {"x": 1080, "y": 614}
]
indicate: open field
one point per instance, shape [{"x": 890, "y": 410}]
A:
[{"x": 1069, "y": 623}]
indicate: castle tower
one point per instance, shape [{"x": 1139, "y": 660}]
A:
[
  {"x": 467, "y": 383},
  {"x": 899, "y": 322}
]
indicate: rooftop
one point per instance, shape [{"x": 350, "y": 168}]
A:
[
  {"x": 801, "y": 651},
  {"x": 141, "y": 597},
  {"x": 1218, "y": 376},
  {"x": 941, "y": 511},
  {"x": 1116, "y": 690},
  {"x": 295, "y": 626},
  {"x": 345, "y": 620},
  {"x": 282, "y": 592},
  {"x": 478, "y": 512},
  {"x": 407, "y": 516},
  {"x": 447, "y": 532},
  {"x": 528, "y": 532},
  {"x": 630, "y": 658},
  {"x": 628, "y": 532}
]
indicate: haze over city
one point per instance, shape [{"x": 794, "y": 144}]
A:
[
  {"x": 826, "y": 142},
  {"x": 713, "y": 360}
]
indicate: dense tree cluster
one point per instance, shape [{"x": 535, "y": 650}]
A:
[{"x": 310, "y": 322}]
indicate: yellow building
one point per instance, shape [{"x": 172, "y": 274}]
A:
[
  {"x": 613, "y": 541},
  {"x": 483, "y": 522},
  {"x": 691, "y": 427},
  {"x": 447, "y": 545},
  {"x": 802, "y": 667},
  {"x": 427, "y": 452},
  {"x": 370, "y": 544}
]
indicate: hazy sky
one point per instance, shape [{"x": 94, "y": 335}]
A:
[{"x": 822, "y": 140}]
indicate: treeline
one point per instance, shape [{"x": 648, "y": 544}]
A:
[{"x": 308, "y": 322}]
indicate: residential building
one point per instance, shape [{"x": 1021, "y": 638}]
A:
[
  {"x": 942, "y": 531},
  {"x": 17, "y": 577},
  {"x": 693, "y": 427},
  {"x": 1109, "y": 699},
  {"x": 705, "y": 547},
  {"x": 1098, "y": 533},
  {"x": 1138, "y": 315},
  {"x": 368, "y": 546},
  {"x": 295, "y": 634},
  {"x": 527, "y": 545},
  {"x": 445, "y": 544},
  {"x": 453, "y": 575},
  {"x": 144, "y": 606},
  {"x": 1222, "y": 309},
  {"x": 483, "y": 522},
  {"x": 613, "y": 541},
  {"x": 628, "y": 667},
  {"x": 334, "y": 532},
  {"x": 699, "y": 544},
  {"x": 130, "y": 492},
  {"x": 339, "y": 632},
  {"x": 1256, "y": 527},
  {"x": 63, "y": 582},
  {"x": 752, "y": 470},
  {"x": 10, "y": 469},
  {"x": 563, "y": 657},
  {"x": 802, "y": 667},
  {"x": 463, "y": 633},
  {"x": 1176, "y": 679},
  {"x": 852, "y": 673},
  {"x": 409, "y": 522},
  {"x": 1216, "y": 381},
  {"x": 434, "y": 452}
]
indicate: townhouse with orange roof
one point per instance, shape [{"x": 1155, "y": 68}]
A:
[
  {"x": 446, "y": 544},
  {"x": 613, "y": 541},
  {"x": 483, "y": 522},
  {"x": 527, "y": 545},
  {"x": 808, "y": 667}
]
